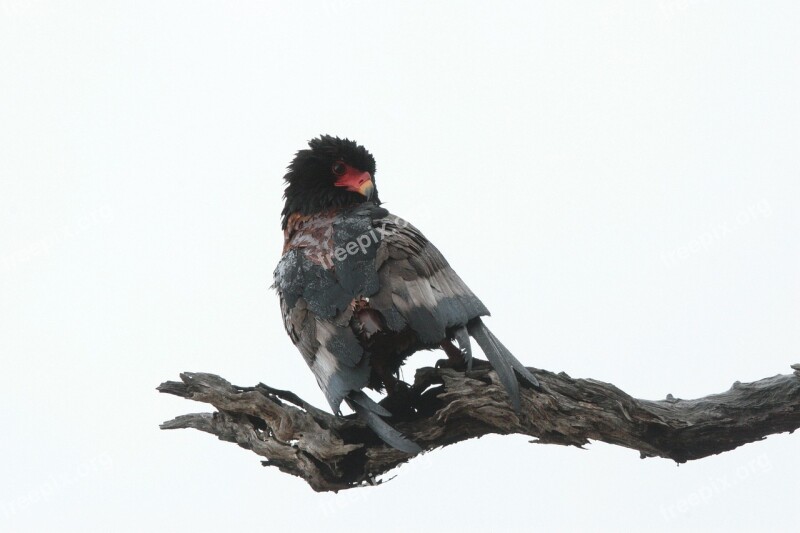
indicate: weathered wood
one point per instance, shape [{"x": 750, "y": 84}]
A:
[{"x": 446, "y": 406}]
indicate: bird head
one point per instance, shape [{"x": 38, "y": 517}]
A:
[{"x": 331, "y": 173}]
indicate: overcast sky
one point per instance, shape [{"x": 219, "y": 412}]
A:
[{"x": 618, "y": 181}]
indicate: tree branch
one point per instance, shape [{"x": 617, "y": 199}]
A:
[{"x": 446, "y": 406}]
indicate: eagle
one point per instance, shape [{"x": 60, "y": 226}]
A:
[{"x": 361, "y": 289}]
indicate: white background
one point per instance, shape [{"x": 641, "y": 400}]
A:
[{"x": 618, "y": 181}]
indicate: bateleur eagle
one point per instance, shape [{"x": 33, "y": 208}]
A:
[{"x": 361, "y": 289}]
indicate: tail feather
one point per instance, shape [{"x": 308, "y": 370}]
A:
[
  {"x": 518, "y": 366},
  {"x": 501, "y": 364},
  {"x": 365, "y": 402},
  {"x": 502, "y": 361},
  {"x": 462, "y": 338},
  {"x": 370, "y": 412}
]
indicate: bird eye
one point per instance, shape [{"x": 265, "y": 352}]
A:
[{"x": 339, "y": 168}]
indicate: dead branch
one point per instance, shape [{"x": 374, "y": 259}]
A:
[{"x": 445, "y": 407}]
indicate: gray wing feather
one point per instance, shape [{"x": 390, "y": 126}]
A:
[
  {"x": 369, "y": 411},
  {"x": 502, "y": 360},
  {"x": 330, "y": 349},
  {"x": 417, "y": 286},
  {"x": 462, "y": 338},
  {"x": 492, "y": 348}
]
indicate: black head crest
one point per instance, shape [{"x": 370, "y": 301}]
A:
[{"x": 310, "y": 178}]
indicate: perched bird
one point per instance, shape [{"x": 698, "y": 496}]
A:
[{"x": 361, "y": 289}]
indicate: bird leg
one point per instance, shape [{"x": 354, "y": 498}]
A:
[
  {"x": 457, "y": 358},
  {"x": 400, "y": 398},
  {"x": 389, "y": 380},
  {"x": 461, "y": 336}
]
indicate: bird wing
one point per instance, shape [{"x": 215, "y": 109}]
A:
[
  {"x": 317, "y": 290},
  {"x": 329, "y": 347},
  {"x": 418, "y": 287}
]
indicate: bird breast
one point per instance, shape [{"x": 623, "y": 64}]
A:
[{"x": 312, "y": 235}]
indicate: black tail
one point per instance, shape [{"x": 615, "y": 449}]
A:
[
  {"x": 371, "y": 413},
  {"x": 502, "y": 361}
]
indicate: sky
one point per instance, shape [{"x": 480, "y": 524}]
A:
[{"x": 618, "y": 181}]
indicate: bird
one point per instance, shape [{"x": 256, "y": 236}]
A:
[{"x": 361, "y": 289}]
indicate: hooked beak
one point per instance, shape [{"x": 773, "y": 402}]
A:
[
  {"x": 356, "y": 181},
  {"x": 367, "y": 189}
]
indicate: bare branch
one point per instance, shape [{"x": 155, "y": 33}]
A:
[{"x": 445, "y": 406}]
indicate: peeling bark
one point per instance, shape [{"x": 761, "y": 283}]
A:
[{"x": 446, "y": 406}]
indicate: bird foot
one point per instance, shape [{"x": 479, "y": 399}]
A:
[
  {"x": 461, "y": 366},
  {"x": 452, "y": 363},
  {"x": 400, "y": 401}
]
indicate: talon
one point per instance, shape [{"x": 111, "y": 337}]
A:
[
  {"x": 449, "y": 363},
  {"x": 456, "y": 359},
  {"x": 400, "y": 401}
]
